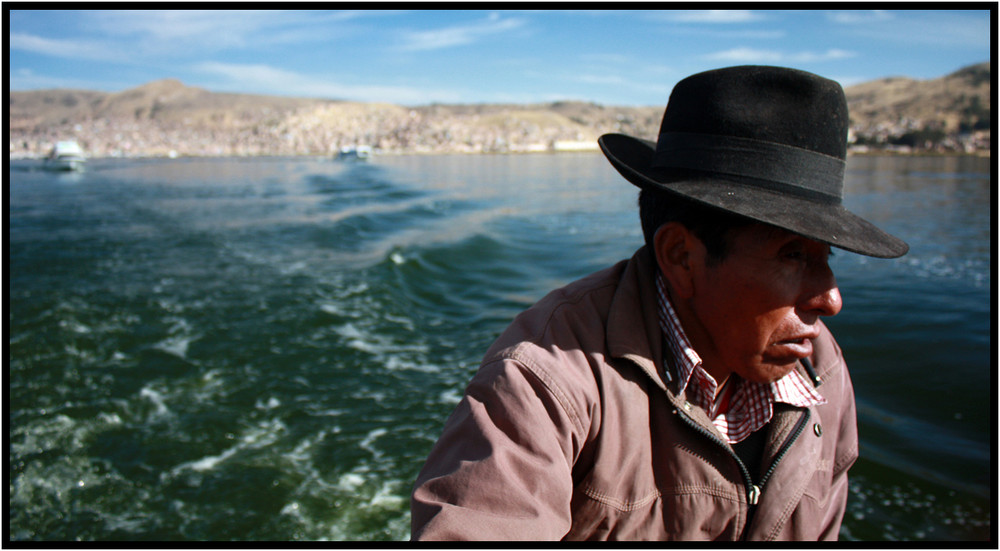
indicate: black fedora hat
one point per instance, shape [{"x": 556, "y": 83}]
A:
[{"x": 767, "y": 143}]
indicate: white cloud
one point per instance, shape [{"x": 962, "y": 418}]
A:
[
  {"x": 459, "y": 35},
  {"x": 964, "y": 29},
  {"x": 212, "y": 26},
  {"x": 26, "y": 79},
  {"x": 135, "y": 37},
  {"x": 831, "y": 54},
  {"x": 859, "y": 17},
  {"x": 751, "y": 55},
  {"x": 745, "y": 55},
  {"x": 72, "y": 49},
  {"x": 217, "y": 26},
  {"x": 166, "y": 33},
  {"x": 265, "y": 79},
  {"x": 712, "y": 16}
]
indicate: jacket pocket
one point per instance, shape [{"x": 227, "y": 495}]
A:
[{"x": 690, "y": 513}]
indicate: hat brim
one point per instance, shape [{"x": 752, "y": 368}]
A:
[{"x": 824, "y": 222}]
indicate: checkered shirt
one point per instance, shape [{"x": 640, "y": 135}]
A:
[{"x": 750, "y": 403}]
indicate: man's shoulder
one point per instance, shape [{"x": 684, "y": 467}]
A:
[
  {"x": 571, "y": 317},
  {"x": 591, "y": 286}
]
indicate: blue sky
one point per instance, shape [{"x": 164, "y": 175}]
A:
[{"x": 416, "y": 57}]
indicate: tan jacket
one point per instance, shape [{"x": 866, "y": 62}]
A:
[{"x": 570, "y": 430}]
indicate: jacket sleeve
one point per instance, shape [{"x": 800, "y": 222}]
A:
[{"x": 502, "y": 468}]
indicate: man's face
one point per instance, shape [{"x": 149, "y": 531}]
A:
[{"x": 758, "y": 308}]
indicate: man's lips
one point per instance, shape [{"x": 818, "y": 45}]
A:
[{"x": 799, "y": 346}]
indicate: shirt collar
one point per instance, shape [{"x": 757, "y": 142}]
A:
[
  {"x": 686, "y": 358},
  {"x": 751, "y": 405}
]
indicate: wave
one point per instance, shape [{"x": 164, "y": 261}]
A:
[{"x": 262, "y": 350}]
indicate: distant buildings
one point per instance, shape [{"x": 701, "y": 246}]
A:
[{"x": 432, "y": 130}]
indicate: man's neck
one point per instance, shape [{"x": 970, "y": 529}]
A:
[{"x": 699, "y": 338}]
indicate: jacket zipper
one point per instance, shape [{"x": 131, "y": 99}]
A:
[
  {"x": 788, "y": 444},
  {"x": 753, "y": 490}
]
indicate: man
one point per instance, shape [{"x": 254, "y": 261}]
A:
[{"x": 691, "y": 392}]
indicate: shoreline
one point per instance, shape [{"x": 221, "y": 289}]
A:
[{"x": 147, "y": 156}]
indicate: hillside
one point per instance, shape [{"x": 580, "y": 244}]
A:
[
  {"x": 168, "y": 118},
  {"x": 892, "y": 107},
  {"x": 166, "y": 101}
]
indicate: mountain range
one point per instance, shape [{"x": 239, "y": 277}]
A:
[{"x": 166, "y": 117}]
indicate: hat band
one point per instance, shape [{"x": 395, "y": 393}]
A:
[{"x": 793, "y": 169}]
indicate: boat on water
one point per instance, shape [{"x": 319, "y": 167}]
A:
[
  {"x": 354, "y": 153},
  {"x": 67, "y": 155}
]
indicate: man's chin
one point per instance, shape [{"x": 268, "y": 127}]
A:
[{"x": 769, "y": 372}]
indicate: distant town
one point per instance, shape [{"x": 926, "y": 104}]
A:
[{"x": 950, "y": 115}]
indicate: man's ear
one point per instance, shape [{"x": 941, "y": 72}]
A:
[{"x": 674, "y": 246}]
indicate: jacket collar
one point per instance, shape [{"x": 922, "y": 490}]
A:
[{"x": 637, "y": 338}]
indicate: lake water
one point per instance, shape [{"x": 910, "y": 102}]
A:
[{"x": 266, "y": 349}]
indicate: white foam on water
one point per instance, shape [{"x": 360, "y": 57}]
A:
[
  {"x": 208, "y": 463},
  {"x": 348, "y": 331},
  {"x": 263, "y": 435},
  {"x": 363, "y": 341},
  {"x": 302, "y": 452},
  {"x": 75, "y": 326},
  {"x": 75, "y": 352},
  {"x": 292, "y": 509},
  {"x": 332, "y": 510},
  {"x": 329, "y": 412},
  {"x": 354, "y": 290},
  {"x": 369, "y": 440},
  {"x": 405, "y": 322},
  {"x": 331, "y": 308},
  {"x": 170, "y": 305},
  {"x": 387, "y": 497},
  {"x": 132, "y": 522},
  {"x": 48, "y": 486},
  {"x": 47, "y": 433},
  {"x": 210, "y": 386},
  {"x": 398, "y": 363},
  {"x": 109, "y": 418},
  {"x": 178, "y": 346},
  {"x": 450, "y": 396},
  {"x": 350, "y": 482},
  {"x": 271, "y": 403},
  {"x": 179, "y": 340},
  {"x": 390, "y": 354},
  {"x": 294, "y": 268},
  {"x": 157, "y": 399}
]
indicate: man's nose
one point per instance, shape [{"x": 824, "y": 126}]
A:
[
  {"x": 829, "y": 302},
  {"x": 822, "y": 296}
]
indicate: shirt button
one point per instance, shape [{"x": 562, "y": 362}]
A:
[
  {"x": 818, "y": 429},
  {"x": 687, "y": 406}
]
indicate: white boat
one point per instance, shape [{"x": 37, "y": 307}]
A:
[
  {"x": 65, "y": 156},
  {"x": 359, "y": 153}
]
